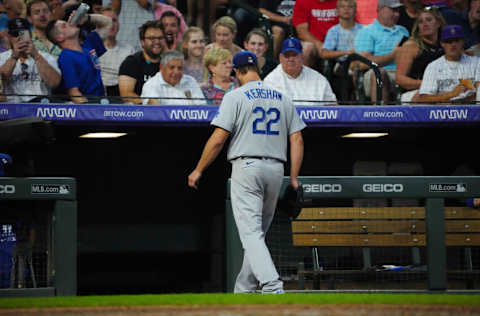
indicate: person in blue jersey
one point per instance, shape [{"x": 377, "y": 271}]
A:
[
  {"x": 79, "y": 61},
  {"x": 261, "y": 121}
]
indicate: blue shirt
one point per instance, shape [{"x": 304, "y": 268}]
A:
[
  {"x": 379, "y": 40},
  {"x": 82, "y": 69},
  {"x": 341, "y": 39}
]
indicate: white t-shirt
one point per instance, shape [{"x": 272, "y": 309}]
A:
[
  {"x": 132, "y": 16},
  {"x": 27, "y": 81},
  {"x": 187, "y": 88},
  {"x": 443, "y": 76},
  {"x": 111, "y": 61},
  {"x": 309, "y": 85}
]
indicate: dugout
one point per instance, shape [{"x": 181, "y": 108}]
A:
[
  {"x": 142, "y": 230},
  {"x": 38, "y": 237}
]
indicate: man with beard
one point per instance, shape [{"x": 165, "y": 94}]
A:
[
  {"x": 171, "y": 25},
  {"x": 469, "y": 21},
  {"x": 39, "y": 14},
  {"x": 136, "y": 69}
]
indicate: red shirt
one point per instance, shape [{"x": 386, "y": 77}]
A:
[{"x": 320, "y": 16}]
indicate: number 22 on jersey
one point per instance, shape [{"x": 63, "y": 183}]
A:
[{"x": 266, "y": 120}]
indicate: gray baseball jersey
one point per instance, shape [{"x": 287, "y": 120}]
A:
[{"x": 259, "y": 119}]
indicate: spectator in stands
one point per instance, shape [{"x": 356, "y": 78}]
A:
[
  {"x": 78, "y": 61},
  {"x": 379, "y": 43},
  {"x": 420, "y": 50},
  {"x": 170, "y": 86},
  {"x": 58, "y": 7},
  {"x": 143, "y": 65},
  {"x": 171, "y": 27},
  {"x": 454, "y": 76},
  {"x": 218, "y": 62},
  {"x": 303, "y": 84},
  {"x": 160, "y": 8},
  {"x": 280, "y": 12},
  {"x": 114, "y": 56},
  {"x": 24, "y": 70},
  {"x": 475, "y": 49},
  {"x": 13, "y": 10},
  {"x": 257, "y": 42},
  {"x": 469, "y": 21},
  {"x": 244, "y": 18},
  {"x": 39, "y": 14},
  {"x": 312, "y": 19},
  {"x": 96, "y": 6},
  {"x": 460, "y": 6},
  {"x": 196, "y": 11},
  {"x": 193, "y": 46},
  {"x": 409, "y": 12},
  {"x": 225, "y": 30},
  {"x": 131, "y": 15},
  {"x": 339, "y": 44}
]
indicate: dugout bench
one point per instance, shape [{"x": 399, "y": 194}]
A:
[
  {"x": 55, "y": 201},
  {"x": 433, "y": 190},
  {"x": 368, "y": 227}
]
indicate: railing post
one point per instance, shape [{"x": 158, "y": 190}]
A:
[{"x": 436, "y": 248}]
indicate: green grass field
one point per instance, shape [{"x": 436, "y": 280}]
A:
[{"x": 231, "y": 299}]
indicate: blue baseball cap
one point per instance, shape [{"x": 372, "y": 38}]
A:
[
  {"x": 244, "y": 58},
  {"x": 452, "y": 31},
  {"x": 291, "y": 44}
]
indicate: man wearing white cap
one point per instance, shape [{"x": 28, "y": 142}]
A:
[
  {"x": 301, "y": 83},
  {"x": 379, "y": 42},
  {"x": 453, "y": 77}
]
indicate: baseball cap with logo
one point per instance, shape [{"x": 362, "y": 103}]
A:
[
  {"x": 291, "y": 44},
  {"x": 244, "y": 58},
  {"x": 389, "y": 3},
  {"x": 452, "y": 31},
  {"x": 16, "y": 25}
]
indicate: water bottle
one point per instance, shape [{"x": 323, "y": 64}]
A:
[{"x": 80, "y": 13}]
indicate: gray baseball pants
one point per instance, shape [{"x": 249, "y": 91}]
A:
[{"x": 255, "y": 187}]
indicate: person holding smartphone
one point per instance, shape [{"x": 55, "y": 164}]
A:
[{"x": 28, "y": 75}]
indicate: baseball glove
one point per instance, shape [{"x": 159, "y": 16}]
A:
[{"x": 292, "y": 201}]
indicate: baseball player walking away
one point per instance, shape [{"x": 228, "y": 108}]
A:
[{"x": 260, "y": 121}]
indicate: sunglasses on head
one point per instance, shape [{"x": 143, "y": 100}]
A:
[{"x": 431, "y": 8}]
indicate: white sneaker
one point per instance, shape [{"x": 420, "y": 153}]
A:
[{"x": 280, "y": 291}]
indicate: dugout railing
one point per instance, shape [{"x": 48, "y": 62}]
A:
[
  {"x": 433, "y": 190},
  {"x": 48, "y": 266}
]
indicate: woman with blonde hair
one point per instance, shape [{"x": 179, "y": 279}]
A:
[
  {"x": 218, "y": 63},
  {"x": 418, "y": 51},
  {"x": 193, "y": 48},
  {"x": 224, "y": 31}
]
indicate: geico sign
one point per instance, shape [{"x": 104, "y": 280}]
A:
[
  {"x": 325, "y": 188},
  {"x": 7, "y": 189},
  {"x": 387, "y": 187}
]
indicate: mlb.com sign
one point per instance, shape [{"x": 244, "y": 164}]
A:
[{"x": 56, "y": 112}]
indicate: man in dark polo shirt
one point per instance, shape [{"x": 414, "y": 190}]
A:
[{"x": 136, "y": 69}]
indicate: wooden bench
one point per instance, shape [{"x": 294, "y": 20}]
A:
[{"x": 379, "y": 227}]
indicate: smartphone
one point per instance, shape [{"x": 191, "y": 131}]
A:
[
  {"x": 24, "y": 35},
  {"x": 403, "y": 40}
]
